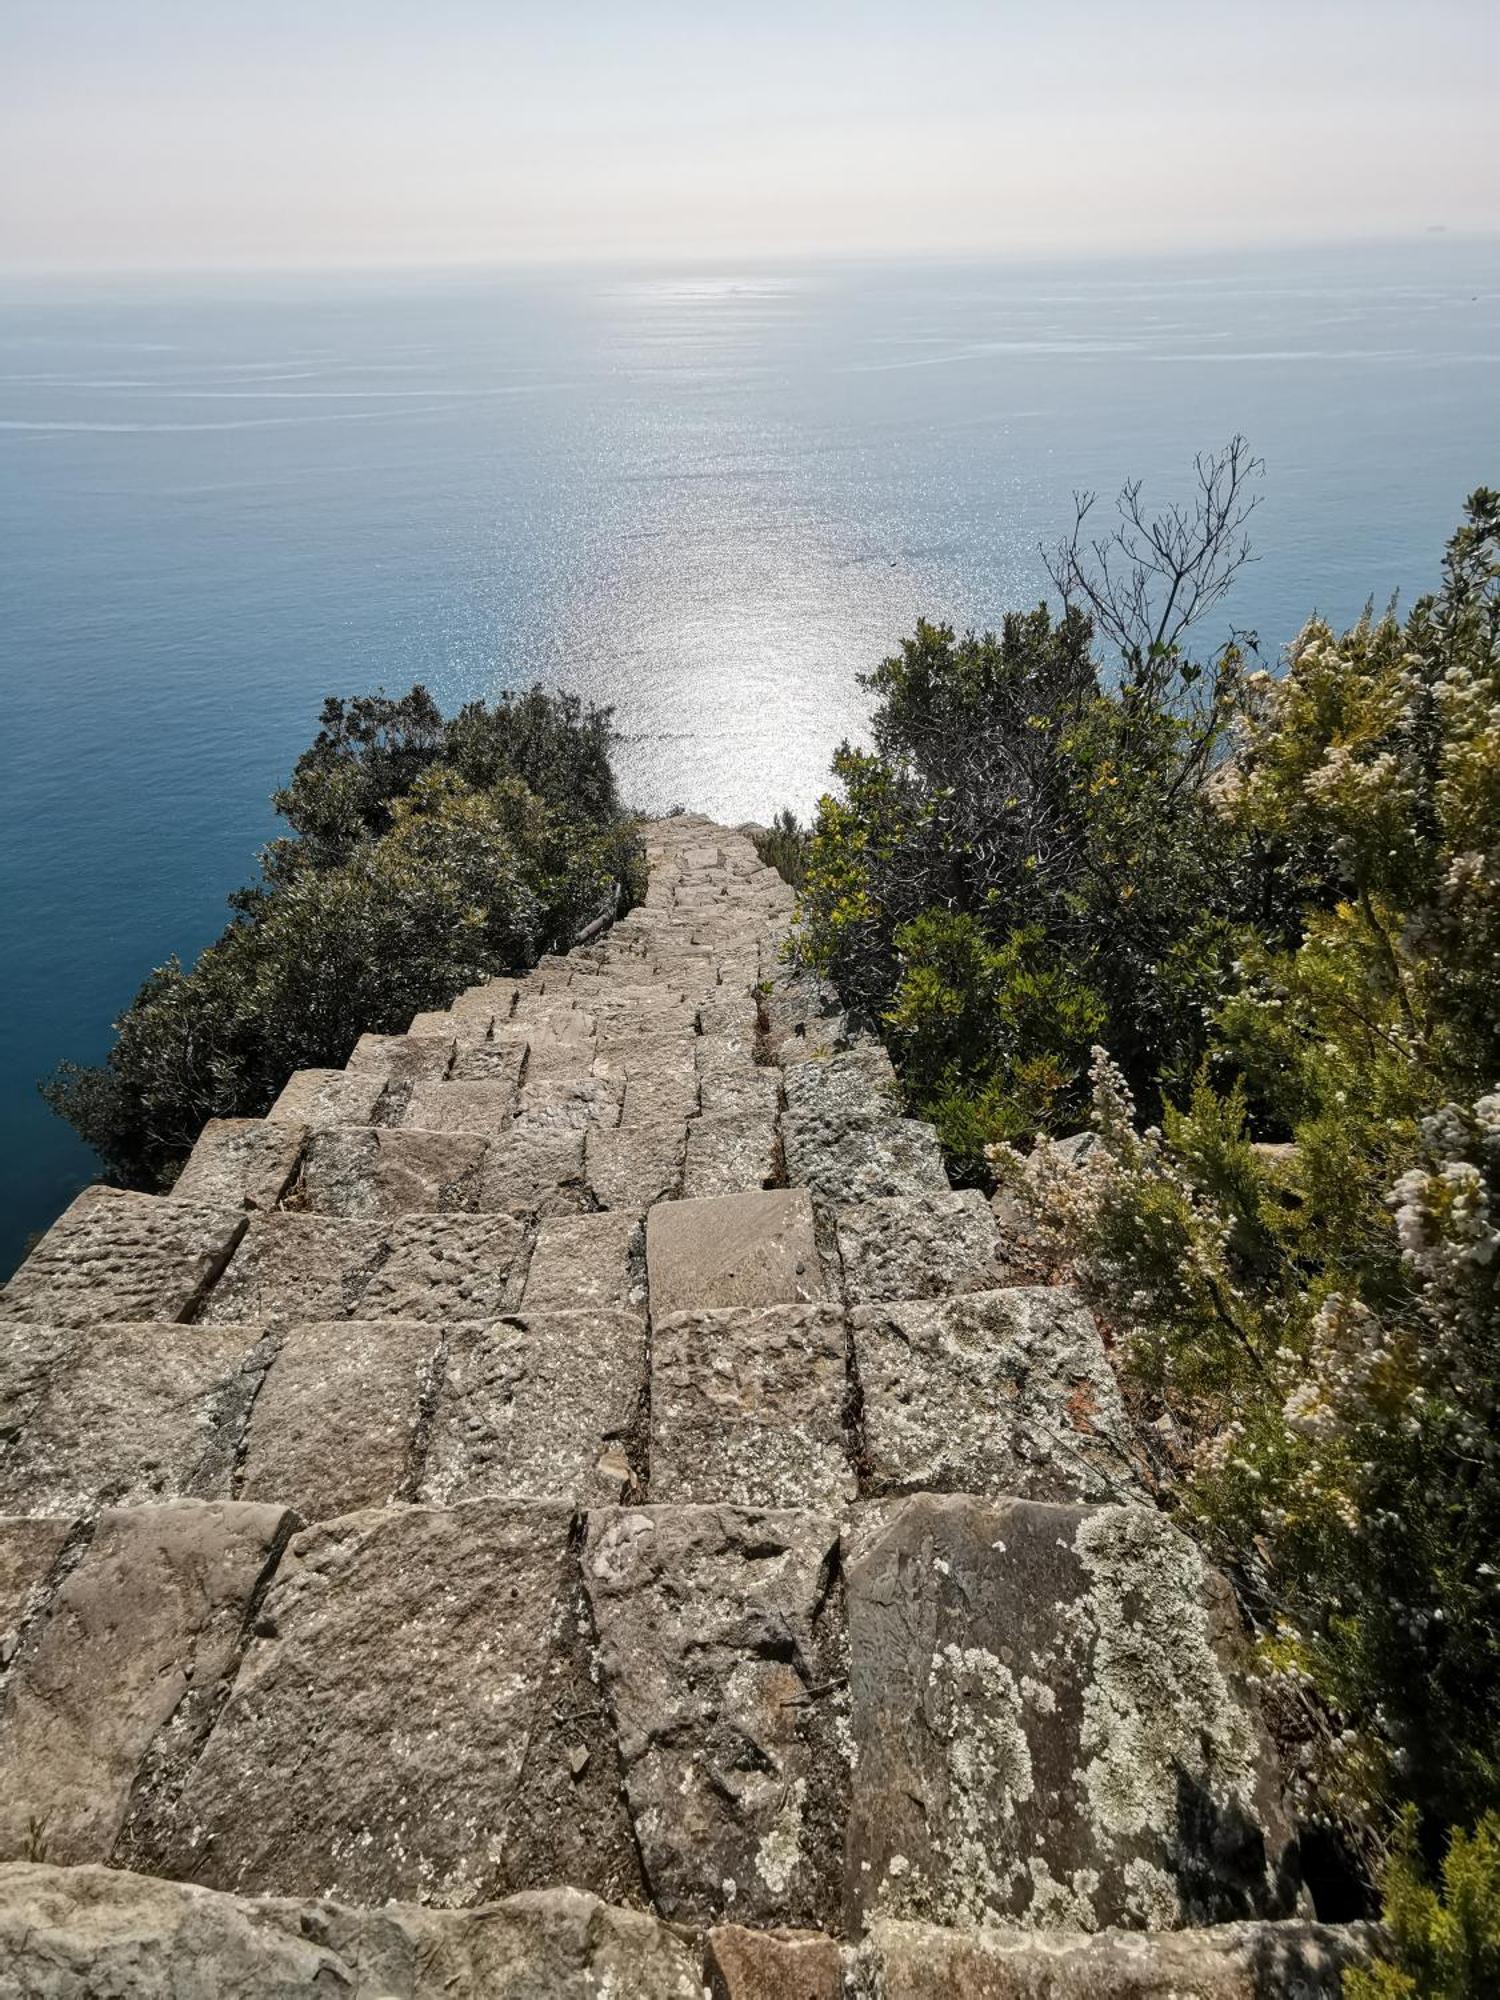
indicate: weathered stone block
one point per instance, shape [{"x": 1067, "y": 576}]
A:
[
  {"x": 659, "y": 1100},
  {"x": 499, "y": 1061},
  {"x": 860, "y": 1158},
  {"x": 402, "y": 1060},
  {"x": 729, "y": 1152},
  {"x": 241, "y": 1163},
  {"x": 329, "y": 1097},
  {"x": 569, "y": 1102},
  {"x": 484, "y": 1109},
  {"x": 462, "y": 1025},
  {"x": 772, "y": 1965},
  {"x": 918, "y": 1247},
  {"x": 29, "y": 1548},
  {"x": 335, "y": 1425},
  {"x": 118, "y": 1256},
  {"x": 586, "y": 1261},
  {"x": 623, "y": 1056},
  {"x": 1054, "y": 1724},
  {"x": 533, "y": 1170},
  {"x": 719, "y": 1642},
  {"x": 374, "y": 1737},
  {"x": 1006, "y": 1393},
  {"x": 129, "y": 1415},
  {"x": 543, "y": 1405},
  {"x": 77, "y": 1933},
  {"x": 448, "y": 1267},
  {"x": 631, "y": 1167},
  {"x": 857, "y": 1083},
  {"x": 135, "y": 1642},
  {"x": 747, "y": 1407},
  {"x": 1248, "y": 1961},
  {"x": 367, "y": 1171},
  {"x": 755, "y": 1089},
  {"x": 299, "y": 1267},
  {"x": 736, "y": 1250}
]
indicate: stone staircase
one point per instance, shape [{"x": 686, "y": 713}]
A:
[{"x": 571, "y": 1505}]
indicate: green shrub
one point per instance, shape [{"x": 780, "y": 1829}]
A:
[
  {"x": 424, "y": 856},
  {"x": 1444, "y": 1940},
  {"x": 783, "y": 846}
]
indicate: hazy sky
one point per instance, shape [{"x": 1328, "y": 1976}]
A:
[{"x": 185, "y": 131}]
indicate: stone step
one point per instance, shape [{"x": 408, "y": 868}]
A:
[{"x": 940, "y": 1710}]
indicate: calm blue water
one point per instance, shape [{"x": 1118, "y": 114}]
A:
[{"x": 710, "y": 499}]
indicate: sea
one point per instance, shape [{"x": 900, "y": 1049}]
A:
[{"x": 710, "y": 497}]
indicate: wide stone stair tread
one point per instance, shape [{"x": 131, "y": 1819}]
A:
[{"x": 571, "y": 1504}]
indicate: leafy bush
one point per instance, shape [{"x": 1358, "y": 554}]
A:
[
  {"x": 1303, "y": 1260},
  {"x": 783, "y": 846},
  {"x": 424, "y": 855}
]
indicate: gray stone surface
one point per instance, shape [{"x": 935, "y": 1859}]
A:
[
  {"x": 534, "y": 1171},
  {"x": 652, "y": 1101},
  {"x": 242, "y": 1162},
  {"x": 743, "y": 1091},
  {"x": 1053, "y": 1724},
  {"x": 30, "y": 1545},
  {"x": 621, "y": 1056},
  {"x": 118, "y": 1256},
  {"x": 719, "y": 1643},
  {"x": 134, "y": 1644},
  {"x": 329, "y": 1097},
  {"x": 129, "y": 1415},
  {"x": 730, "y": 1152},
  {"x": 1004, "y": 1392},
  {"x": 499, "y": 1061},
  {"x": 335, "y": 1425},
  {"x": 402, "y": 1061},
  {"x": 30, "y": 1355},
  {"x": 572, "y": 1102},
  {"x": 484, "y": 1109},
  {"x": 631, "y": 1167},
  {"x": 1294, "y": 1960},
  {"x": 858, "y": 1083},
  {"x": 303, "y": 1267},
  {"x": 918, "y": 1247},
  {"x": 373, "y": 1741},
  {"x": 544, "y": 1405},
  {"x": 448, "y": 1267},
  {"x": 845, "y": 1159},
  {"x": 736, "y": 1250},
  {"x": 585, "y": 1261},
  {"x": 461, "y": 1024},
  {"x": 368, "y": 1171},
  {"x": 88, "y": 1933},
  {"x": 747, "y": 1407}
]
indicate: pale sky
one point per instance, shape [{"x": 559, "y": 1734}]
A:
[{"x": 223, "y": 132}]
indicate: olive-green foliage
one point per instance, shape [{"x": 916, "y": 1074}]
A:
[
  {"x": 1026, "y": 859},
  {"x": 425, "y": 854},
  {"x": 783, "y": 846},
  {"x": 1304, "y": 1262},
  {"x": 1444, "y": 1938}
]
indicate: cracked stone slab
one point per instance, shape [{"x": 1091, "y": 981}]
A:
[
  {"x": 734, "y": 1250},
  {"x": 402, "y": 1061},
  {"x": 334, "y": 1427},
  {"x": 1003, "y": 1393},
  {"x": 364, "y": 1172},
  {"x": 583, "y": 1261},
  {"x": 633, "y": 1166},
  {"x": 135, "y": 1641},
  {"x": 118, "y": 1256},
  {"x": 1054, "y": 1724},
  {"x": 918, "y": 1247},
  {"x": 128, "y": 1415},
  {"x": 1290, "y": 1960},
  {"x": 242, "y": 1163},
  {"x": 73, "y": 1933},
  {"x": 534, "y": 1171},
  {"x": 719, "y": 1641},
  {"x": 729, "y": 1152},
  {"x": 482, "y": 1109},
  {"x": 329, "y": 1097},
  {"x": 860, "y": 1157},
  {"x": 747, "y": 1407},
  {"x": 30, "y": 1545},
  {"x": 374, "y": 1738},
  {"x": 293, "y": 1268},
  {"x": 541, "y": 1405}
]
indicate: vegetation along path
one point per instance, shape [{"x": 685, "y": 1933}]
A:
[{"x": 574, "y": 1504}]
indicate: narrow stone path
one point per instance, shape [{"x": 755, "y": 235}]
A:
[{"x": 571, "y": 1504}]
